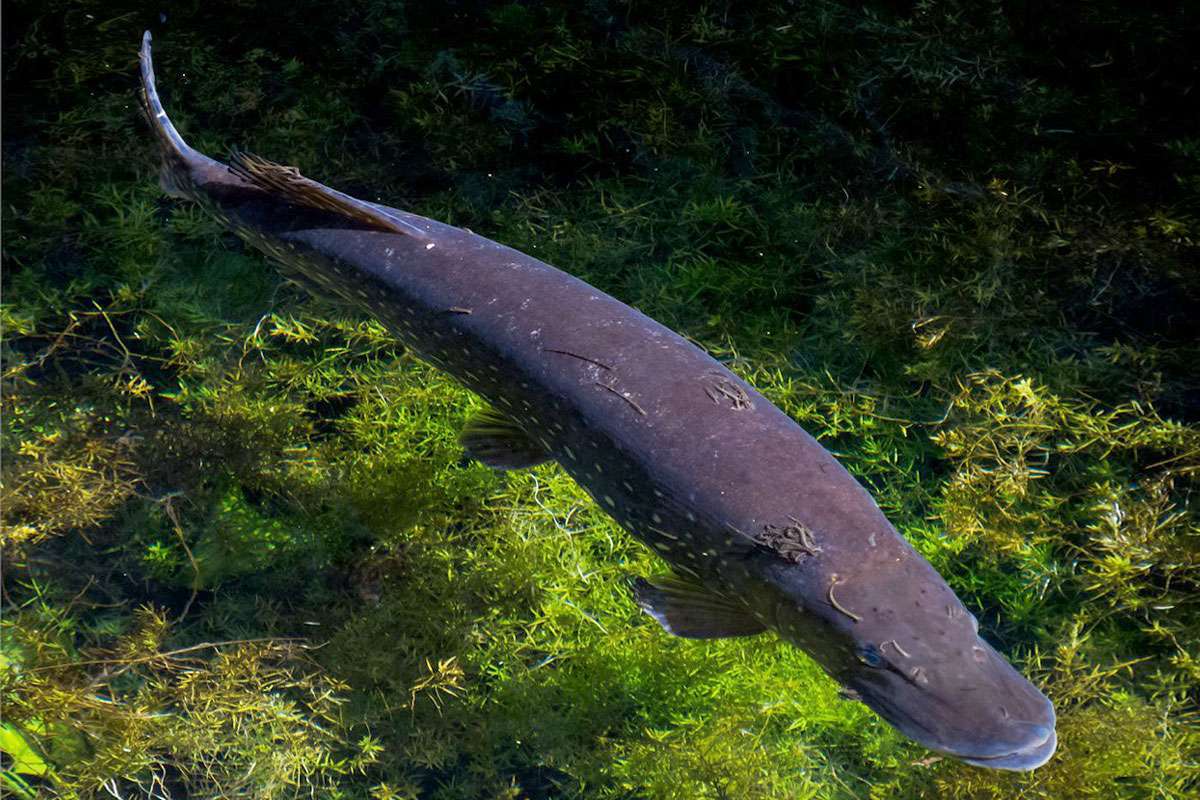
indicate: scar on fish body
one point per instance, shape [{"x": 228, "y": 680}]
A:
[
  {"x": 600, "y": 364},
  {"x": 793, "y": 542},
  {"x": 833, "y": 582},
  {"x": 718, "y": 388},
  {"x": 670, "y": 462},
  {"x": 632, "y": 403}
]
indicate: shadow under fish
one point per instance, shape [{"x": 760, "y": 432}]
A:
[{"x": 762, "y": 527}]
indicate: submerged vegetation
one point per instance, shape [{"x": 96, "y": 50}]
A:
[{"x": 243, "y": 556}]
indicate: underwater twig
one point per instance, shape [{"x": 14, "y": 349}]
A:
[
  {"x": 253, "y": 337},
  {"x": 565, "y": 525},
  {"x": 1189, "y": 454},
  {"x": 442, "y": 679},
  {"x": 104, "y": 315},
  {"x": 172, "y": 515},
  {"x": 586, "y": 615},
  {"x": 169, "y": 654},
  {"x": 66, "y": 332},
  {"x": 90, "y": 581}
]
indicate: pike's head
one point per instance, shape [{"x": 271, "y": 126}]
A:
[{"x": 894, "y": 634}]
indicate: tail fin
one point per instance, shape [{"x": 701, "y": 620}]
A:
[
  {"x": 168, "y": 137},
  {"x": 183, "y": 166},
  {"x": 178, "y": 158}
]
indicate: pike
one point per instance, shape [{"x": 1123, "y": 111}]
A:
[{"x": 762, "y": 527}]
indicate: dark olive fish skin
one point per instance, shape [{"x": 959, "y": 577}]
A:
[{"x": 764, "y": 527}]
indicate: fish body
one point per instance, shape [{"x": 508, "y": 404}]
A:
[{"x": 763, "y": 528}]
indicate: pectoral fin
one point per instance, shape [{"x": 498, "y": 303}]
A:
[
  {"x": 685, "y": 607},
  {"x": 494, "y": 439}
]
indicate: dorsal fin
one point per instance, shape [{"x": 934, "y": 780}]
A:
[{"x": 288, "y": 184}]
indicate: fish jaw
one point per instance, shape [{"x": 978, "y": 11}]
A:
[
  {"x": 901, "y": 642},
  {"x": 971, "y": 721},
  {"x": 1030, "y": 757}
]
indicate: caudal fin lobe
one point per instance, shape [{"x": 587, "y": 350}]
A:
[
  {"x": 177, "y": 157},
  {"x": 182, "y": 166},
  {"x": 169, "y": 138},
  {"x": 187, "y": 173}
]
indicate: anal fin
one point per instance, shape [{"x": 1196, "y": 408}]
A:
[
  {"x": 685, "y": 607},
  {"x": 497, "y": 441}
]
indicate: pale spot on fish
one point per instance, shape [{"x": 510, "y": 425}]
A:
[{"x": 430, "y": 246}]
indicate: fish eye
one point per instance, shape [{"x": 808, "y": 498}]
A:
[{"x": 869, "y": 654}]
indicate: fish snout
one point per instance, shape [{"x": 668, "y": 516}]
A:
[
  {"x": 1038, "y": 744},
  {"x": 975, "y": 708},
  {"x": 1021, "y": 734},
  {"x": 1011, "y": 745}
]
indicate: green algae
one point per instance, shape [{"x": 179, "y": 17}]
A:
[{"x": 243, "y": 552}]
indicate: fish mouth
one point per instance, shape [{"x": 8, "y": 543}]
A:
[
  {"x": 1031, "y": 756},
  {"x": 1031, "y": 751}
]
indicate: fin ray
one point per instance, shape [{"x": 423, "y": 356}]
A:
[
  {"x": 685, "y": 607},
  {"x": 497, "y": 441},
  {"x": 287, "y": 183}
]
